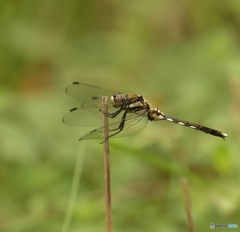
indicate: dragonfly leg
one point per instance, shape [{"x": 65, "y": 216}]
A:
[
  {"x": 119, "y": 128},
  {"x": 114, "y": 114},
  {"x": 121, "y": 125}
]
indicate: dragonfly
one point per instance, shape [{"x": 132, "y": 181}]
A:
[{"x": 128, "y": 112}]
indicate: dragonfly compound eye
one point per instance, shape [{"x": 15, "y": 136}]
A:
[{"x": 117, "y": 100}]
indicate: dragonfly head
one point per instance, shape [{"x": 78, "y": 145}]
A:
[{"x": 117, "y": 99}]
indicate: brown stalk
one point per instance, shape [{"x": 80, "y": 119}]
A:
[
  {"x": 186, "y": 197},
  {"x": 106, "y": 165}
]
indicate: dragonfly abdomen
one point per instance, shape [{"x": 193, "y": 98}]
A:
[{"x": 157, "y": 114}]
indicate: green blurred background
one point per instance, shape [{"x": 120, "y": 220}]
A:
[{"x": 183, "y": 56}]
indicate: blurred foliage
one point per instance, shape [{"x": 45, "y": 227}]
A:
[{"x": 181, "y": 55}]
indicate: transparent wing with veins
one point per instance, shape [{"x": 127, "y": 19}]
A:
[
  {"x": 89, "y": 114},
  {"x": 133, "y": 124}
]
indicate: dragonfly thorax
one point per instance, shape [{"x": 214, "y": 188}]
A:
[{"x": 126, "y": 101}]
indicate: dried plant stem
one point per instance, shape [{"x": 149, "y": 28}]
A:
[
  {"x": 235, "y": 101},
  {"x": 106, "y": 165},
  {"x": 186, "y": 197},
  {"x": 74, "y": 190}
]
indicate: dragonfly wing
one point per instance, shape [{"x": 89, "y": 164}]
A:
[
  {"x": 90, "y": 96},
  {"x": 89, "y": 114},
  {"x": 133, "y": 125},
  {"x": 83, "y": 118},
  {"x": 81, "y": 91}
]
